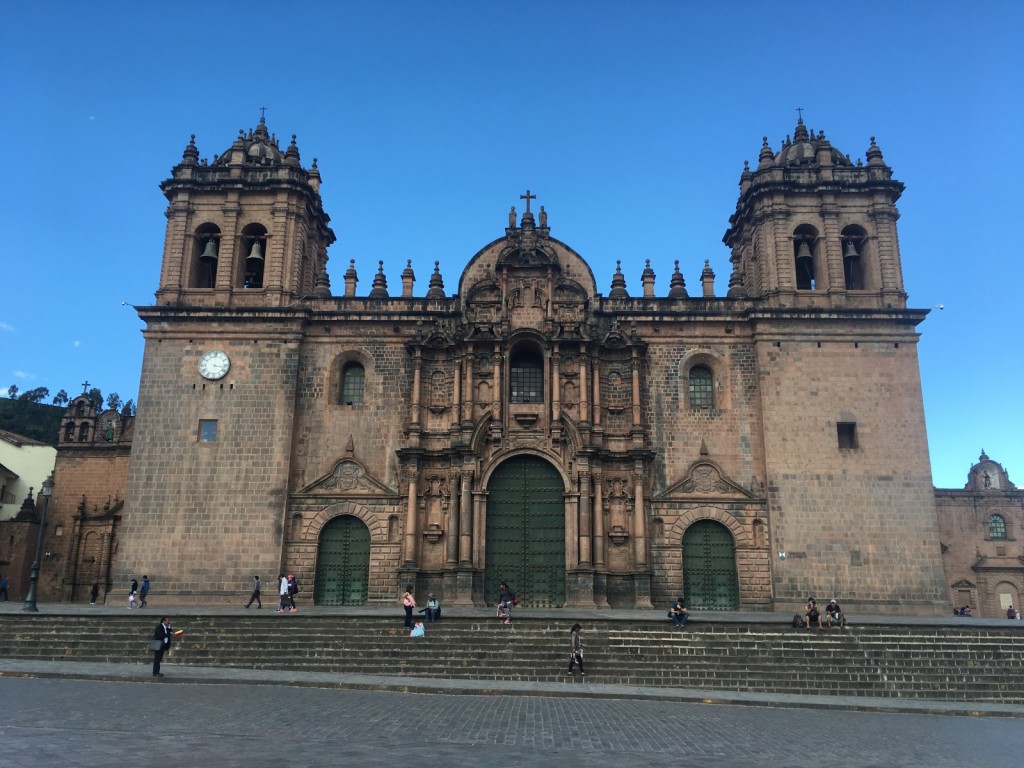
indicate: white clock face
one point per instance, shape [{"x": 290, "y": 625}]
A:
[{"x": 214, "y": 364}]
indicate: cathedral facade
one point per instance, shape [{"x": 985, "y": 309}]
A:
[{"x": 747, "y": 449}]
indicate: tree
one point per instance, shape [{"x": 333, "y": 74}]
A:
[
  {"x": 12, "y": 391},
  {"x": 96, "y": 398},
  {"x": 114, "y": 401},
  {"x": 61, "y": 398},
  {"x": 36, "y": 395},
  {"x": 129, "y": 409}
]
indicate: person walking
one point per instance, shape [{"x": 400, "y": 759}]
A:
[
  {"x": 506, "y": 600},
  {"x": 255, "y": 593},
  {"x": 283, "y": 593},
  {"x": 576, "y": 649},
  {"x": 161, "y": 644},
  {"x": 293, "y": 590},
  {"x": 409, "y": 603},
  {"x": 144, "y": 590},
  {"x": 133, "y": 595},
  {"x": 94, "y": 593}
]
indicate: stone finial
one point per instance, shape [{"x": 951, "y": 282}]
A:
[
  {"x": 512, "y": 218},
  {"x": 766, "y": 156},
  {"x": 647, "y": 280},
  {"x": 191, "y": 154},
  {"x": 379, "y": 290},
  {"x": 350, "y": 447},
  {"x": 704, "y": 448},
  {"x": 874, "y": 154},
  {"x": 323, "y": 283},
  {"x": 800, "y": 134},
  {"x": 314, "y": 177},
  {"x": 436, "y": 288},
  {"x": 677, "y": 285},
  {"x": 291, "y": 155},
  {"x": 351, "y": 279},
  {"x": 408, "y": 278},
  {"x": 736, "y": 287},
  {"x": 618, "y": 290},
  {"x": 543, "y": 217},
  {"x": 707, "y": 280}
]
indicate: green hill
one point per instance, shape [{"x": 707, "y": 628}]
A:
[{"x": 35, "y": 420}]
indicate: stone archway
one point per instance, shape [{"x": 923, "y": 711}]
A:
[
  {"x": 710, "y": 580},
  {"x": 343, "y": 562},
  {"x": 525, "y": 526}
]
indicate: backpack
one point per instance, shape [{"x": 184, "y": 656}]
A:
[
  {"x": 293, "y": 587},
  {"x": 798, "y": 621}
]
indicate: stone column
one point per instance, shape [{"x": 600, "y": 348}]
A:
[
  {"x": 496, "y": 384},
  {"x": 598, "y": 521},
  {"x": 466, "y": 521},
  {"x": 414, "y": 417},
  {"x": 411, "y": 529},
  {"x": 467, "y": 399},
  {"x": 597, "y": 394},
  {"x": 635, "y": 366},
  {"x": 556, "y": 386},
  {"x": 457, "y": 393},
  {"x": 451, "y": 552},
  {"x": 639, "y": 519},
  {"x": 584, "y": 394},
  {"x": 585, "y": 544}
]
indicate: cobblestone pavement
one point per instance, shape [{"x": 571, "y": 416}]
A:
[{"x": 96, "y": 724}]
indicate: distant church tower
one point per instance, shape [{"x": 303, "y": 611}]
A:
[{"x": 246, "y": 239}]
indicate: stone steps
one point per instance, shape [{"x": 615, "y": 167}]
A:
[{"x": 893, "y": 661}]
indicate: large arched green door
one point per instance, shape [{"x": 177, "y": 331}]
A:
[
  {"x": 709, "y": 567},
  {"x": 526, "y": 532},
  {"x": 343, "y": 562}
]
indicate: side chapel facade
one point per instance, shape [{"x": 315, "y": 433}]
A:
[{"x": 746, "y": 450}]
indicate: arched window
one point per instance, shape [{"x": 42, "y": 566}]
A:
[
  {"x": 254, "y": 237},
  {"x": 205, "y": 247},
  {"x": 69, "y": 432},
  {"x": 702, "y": 393},
  {"x": 353, "y": 380},
  {"x": 996, "y": 527},
  {"x": 526, "y": 377},
  {"x": 83, "y": 433}
]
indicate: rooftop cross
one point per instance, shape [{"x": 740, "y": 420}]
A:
[
  {"x": 263, "y": 113},
  {"x": 85, "y": 386},
  {"x": 800, "y": 112},
  {"x": 527, "y": 197}
]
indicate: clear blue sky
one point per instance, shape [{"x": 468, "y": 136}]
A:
[{"x": 630, "y": 121}]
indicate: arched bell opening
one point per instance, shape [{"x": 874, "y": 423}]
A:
[
  {"x": 205, "y": 256},
  {"x": 254, "y": 246},
  {"x": 854, "y": 240},
  {"x": 805, "y": 246}
]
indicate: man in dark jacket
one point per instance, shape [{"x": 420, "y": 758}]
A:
[{"x": 162, "y": 633}]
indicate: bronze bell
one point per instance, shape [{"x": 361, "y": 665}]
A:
[
  {"x": 850, "y": 251},
  {"x": 804, "y": 260},
  {"x": 210, "y": 251},
  {"x": 255, "y": 257}
]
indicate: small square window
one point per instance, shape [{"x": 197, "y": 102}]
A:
[
  {"x": 847, "y": 432},
  {"x": 207, "y": 430}
]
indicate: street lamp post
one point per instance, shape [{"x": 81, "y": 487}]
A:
[{"x": 30, "y": 600}]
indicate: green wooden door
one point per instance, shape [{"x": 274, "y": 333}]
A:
[
  {"x": 709, "y": 567},
  {"x": 343, "y": 562},
  {"x": 526, "y": 532}
]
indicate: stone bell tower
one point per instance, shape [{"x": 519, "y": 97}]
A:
[
  {"x": 247, "y": 229},
  {"x": 812, "y": 228},
  {"x": 245, "y": 251}
]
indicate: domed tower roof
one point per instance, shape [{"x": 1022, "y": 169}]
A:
[
  {"x": 803, "y": 149},
  {"x": 259, "y": 147}
]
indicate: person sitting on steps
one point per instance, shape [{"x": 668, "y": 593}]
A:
[
  {"x": 679, "y": 613},
  {"x": 834, "y": 615},
  {"x": 506, "y": 599},
  {"x": 812, "y": 614}
]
